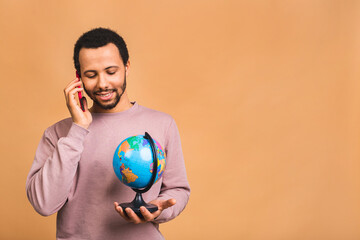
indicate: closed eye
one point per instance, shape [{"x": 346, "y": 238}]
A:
[{"x": 91, "y": 76}]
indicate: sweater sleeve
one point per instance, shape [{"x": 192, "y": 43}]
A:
[
  {"x": 175, "y": 183},
  {"x": 52, "y": 173}
]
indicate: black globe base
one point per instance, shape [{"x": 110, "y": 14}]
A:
[{"x": 136, "y": 204}]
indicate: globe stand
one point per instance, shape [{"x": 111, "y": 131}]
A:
[
  {"x": 136, "y": 204},
  {"x": 138, "y": 200}
]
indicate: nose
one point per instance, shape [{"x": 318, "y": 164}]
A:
[{"x": 102, "y": 82}]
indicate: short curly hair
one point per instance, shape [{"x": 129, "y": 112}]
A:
[{"x": 99, "y": 37}]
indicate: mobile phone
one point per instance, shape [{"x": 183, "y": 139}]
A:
[{"x": 80, "y": 95}]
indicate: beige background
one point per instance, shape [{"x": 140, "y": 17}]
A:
[{"x": 265, "y": 95}]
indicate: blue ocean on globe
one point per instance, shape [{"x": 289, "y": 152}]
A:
[{"x": 133, "y": 161}]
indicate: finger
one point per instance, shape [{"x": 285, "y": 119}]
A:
[
  {"x": 71, "y": 87},
  {"x": 72, "y": 81},
  {"x": 168, "y": 203},
  {"x": 156, "y": 213},
  {"x": 72, "y": 103},
  {"x": 132, "y": 216},
  {"x": 116, "y": 206},
  {"x": 75, "y": 80},
  {"x": 119, "y": 209},
  {"x": 146, "y": 214},
  {"x": 72, "y": 93}
]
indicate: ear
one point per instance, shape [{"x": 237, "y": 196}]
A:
[{"x": 127, "y": 67}]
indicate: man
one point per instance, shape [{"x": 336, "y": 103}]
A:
[{"x": 72, "y": 171}]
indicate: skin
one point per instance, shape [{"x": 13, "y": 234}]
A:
[
  {"x": 103, "y": 72},
  {"x": 148, "y": 217}
]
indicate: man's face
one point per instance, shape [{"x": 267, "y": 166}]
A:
[{"x": 103, "y": 75}]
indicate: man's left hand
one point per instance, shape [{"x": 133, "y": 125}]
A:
[{"x": 132, "y": 217}]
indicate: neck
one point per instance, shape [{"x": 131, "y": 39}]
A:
[{"x": 124, "y": 104}]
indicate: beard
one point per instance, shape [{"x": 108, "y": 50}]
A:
[{"x": 112, "y": 104}]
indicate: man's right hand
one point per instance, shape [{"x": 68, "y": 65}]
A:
[{"x": 79, "y": 117}]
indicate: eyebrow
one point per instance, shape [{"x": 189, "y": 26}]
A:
[{"x": 104, "y": 69}]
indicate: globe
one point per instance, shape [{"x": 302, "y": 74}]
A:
[{"x": 133, "y": 161}]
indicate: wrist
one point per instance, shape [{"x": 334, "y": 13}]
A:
[
  {"x": 83, "y": 125},
  {"x": 77, "y": 133}
]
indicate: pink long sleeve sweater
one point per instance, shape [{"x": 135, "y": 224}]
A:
[{"x": 72, "y": 175}]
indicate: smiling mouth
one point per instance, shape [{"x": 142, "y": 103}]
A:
[{"x": 105, "y": 95}]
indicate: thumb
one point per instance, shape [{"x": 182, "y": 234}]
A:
[{"x": 168, "y": 203}]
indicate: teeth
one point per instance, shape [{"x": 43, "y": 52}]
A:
[{"x": 105, "y": 95}]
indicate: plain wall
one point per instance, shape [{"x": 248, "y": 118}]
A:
[{"x": 265, "y": 95}]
